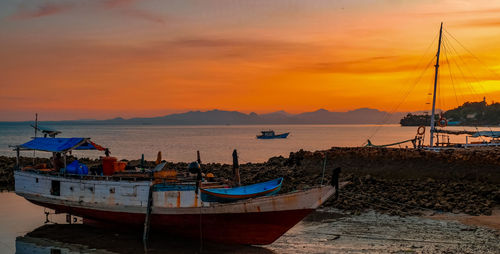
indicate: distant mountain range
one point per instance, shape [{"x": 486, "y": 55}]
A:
[{"x": 221, "y": 117}]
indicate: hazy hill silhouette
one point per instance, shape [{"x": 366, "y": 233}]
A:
[{"x": 222, "y": 117}]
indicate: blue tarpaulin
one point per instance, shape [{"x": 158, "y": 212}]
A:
[
  {"x": 491, "y": 134},
  {"x": 58, "y": 144}
]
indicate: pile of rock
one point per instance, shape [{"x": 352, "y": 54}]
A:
[{"x": 406, "y": 197}]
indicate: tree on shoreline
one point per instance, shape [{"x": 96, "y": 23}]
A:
[{"x": 469, "y": 113}]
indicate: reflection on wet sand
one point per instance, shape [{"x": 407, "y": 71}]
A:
[
  {"x": 78, "y": 238},
  {"x": 325, "y": 231}
]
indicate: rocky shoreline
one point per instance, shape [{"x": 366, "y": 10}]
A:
[{"x": 394, "y": 181}]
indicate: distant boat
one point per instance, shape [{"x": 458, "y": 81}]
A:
[
  {"x": 270, "y": 135},
  {"x": 225, "y": 195}
]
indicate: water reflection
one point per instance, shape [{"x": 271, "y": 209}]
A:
[{"x": 81, "y": 238}]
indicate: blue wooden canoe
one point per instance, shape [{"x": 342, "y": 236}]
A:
[{"x": 225, "y": 195}]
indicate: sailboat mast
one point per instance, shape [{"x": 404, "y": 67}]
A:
[{"x": 435, "y": 86}]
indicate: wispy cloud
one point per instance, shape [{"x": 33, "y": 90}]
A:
[
  {"x": 494, "y": 22},
  {"x": 144, "y": 15},
  {"x": 123, "y": 7},
  {"x": 463, "y": 12},
  {"x": 380, "y": 64},
  {"x": 37, "y": 11},
  {"x": 116, "y": 3}
]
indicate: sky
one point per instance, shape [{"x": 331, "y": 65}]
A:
[{"x": 101, "y": 59}]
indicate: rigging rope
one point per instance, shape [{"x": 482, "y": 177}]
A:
[
  {"x": 408, "y": 92},
  {"x": 417, "y": 80}
]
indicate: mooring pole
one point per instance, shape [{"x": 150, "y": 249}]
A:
[
  {"x": 17, "y": 158},
  {"x": 147, "y": 220},
  {"x": 36, "y": 129},
  {"x": 435, "y": 86},
  {"x": 236, "y": 168},
  {"x": 198, "y": 158}
]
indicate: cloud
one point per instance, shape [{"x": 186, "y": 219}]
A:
[
  {"x": 482, "y": 23},
  {"x": 144, "y": 15},
  {"x": 464, "y": 12},
  {"x": 123, "y": 7},
  {"x": 379, "y": 64},
  {"x": 116, "y": 3},
  {"x": 126, "y": 8},
  {"x": 247, "y": 44},
  {"x": 45, "y": 9}
]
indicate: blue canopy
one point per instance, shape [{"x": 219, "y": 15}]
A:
[
  {"x": 492, "y": 134},
  {"x": 59, "y": 144}
]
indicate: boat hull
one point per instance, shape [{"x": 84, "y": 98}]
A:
[
  {"x": 284, "y": 135},
  {"x": 235, "y": 228},
  {"x": 175, "y": 209}
]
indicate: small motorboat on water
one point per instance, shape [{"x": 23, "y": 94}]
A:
[
  {"x": 163, "y": 200},
  {"x": 270, "y": 135},
  {"x": 225, "y": 195}
]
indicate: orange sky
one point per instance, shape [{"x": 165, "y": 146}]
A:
[{"x": 107, "y": 58}]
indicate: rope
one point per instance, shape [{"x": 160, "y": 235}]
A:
[
  {"x": 408, "y": 92},
  {"x": 201, "y": 232},
  {"x": 369, "y": 143},
  {"x": 466, "y": 81},
  {"x": 473, "y": 55}
]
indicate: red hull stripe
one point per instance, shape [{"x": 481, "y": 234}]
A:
[
  {"x": 257, "y": 228},
  {"x": 229, "y": 196}
]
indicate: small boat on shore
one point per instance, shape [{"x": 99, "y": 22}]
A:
[
  {"x": 172, "y": 204},
  {"x": 225, "y": 195},
  {"x": 270, "y": 135}
]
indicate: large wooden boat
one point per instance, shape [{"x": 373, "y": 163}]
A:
[{"x": 169, "y": 205}]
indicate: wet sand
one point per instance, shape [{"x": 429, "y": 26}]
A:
[
  {"x": 373, "y": 232},
  {"x": 488, "y": 221},
  {"x": 325, "y": 231}
]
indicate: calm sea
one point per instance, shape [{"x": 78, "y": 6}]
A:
[{"x": 215, "y": 143}]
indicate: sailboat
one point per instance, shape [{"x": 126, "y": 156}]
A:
[
  {"x": 442, "y": 122},
  {"x": 439, "y": 137}
]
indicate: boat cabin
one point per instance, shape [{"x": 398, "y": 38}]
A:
[{"x": 269, "y": 133}]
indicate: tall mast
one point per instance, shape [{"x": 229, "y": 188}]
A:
[{"x": 435, "y": 86}]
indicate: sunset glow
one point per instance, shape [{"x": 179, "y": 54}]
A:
[{"x": 109, "y": 58}]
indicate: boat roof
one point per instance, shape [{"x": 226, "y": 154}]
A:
[
  {"x": 492, "y": 134},
  {"x": 60, "y": 144}
]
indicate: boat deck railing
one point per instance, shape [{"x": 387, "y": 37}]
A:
[{"x": 141, "y": 177}]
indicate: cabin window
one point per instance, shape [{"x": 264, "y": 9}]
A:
[{"x": 55, "y": 189}]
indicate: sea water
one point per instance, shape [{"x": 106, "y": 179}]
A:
[{"x": 215, "y": 143}]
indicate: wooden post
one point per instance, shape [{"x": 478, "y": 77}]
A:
[
  {"x": 142, "y": 162},
  {"x": 335, "y": 181},
  {"x": 36, "y": 129},
  {"x": 198, "y": 159},
  {"x": 147, "y": 220},
  {"x": 17, "y": 158},
  {"x": 236, "y": 168},
  {"x": 64, "y": 155}
]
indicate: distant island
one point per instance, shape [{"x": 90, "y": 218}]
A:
[
  {"x": 469, "y": 114},
  {"x": 221, "y": 117}
]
